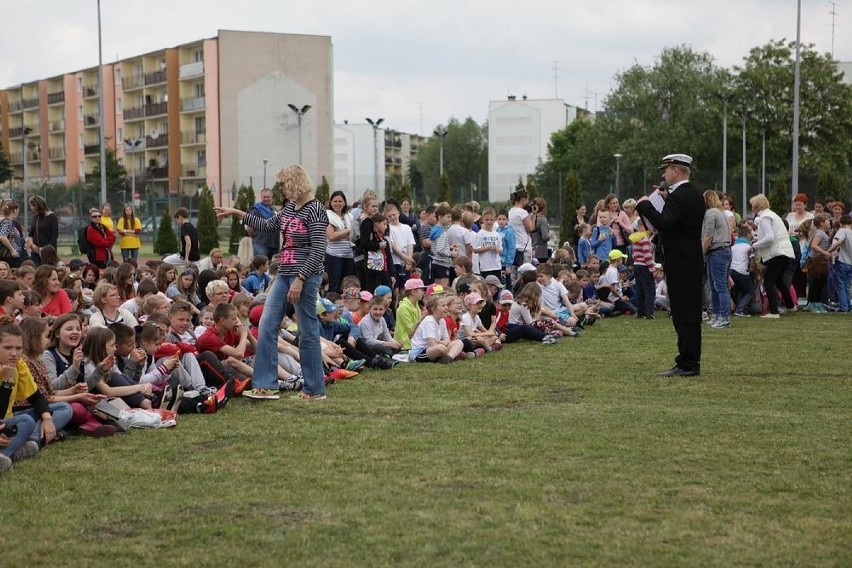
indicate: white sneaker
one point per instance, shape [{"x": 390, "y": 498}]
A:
[{"x": 768, "y": 316}]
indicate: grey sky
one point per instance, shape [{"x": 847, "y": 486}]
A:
[{"x": 451, "y": 56}]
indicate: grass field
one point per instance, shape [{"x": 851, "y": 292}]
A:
[{"x": 558, "y": 455}]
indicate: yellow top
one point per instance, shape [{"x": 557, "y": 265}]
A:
[
  {"x": 24, "y": 386},
  {"x": 107, "y": 222},
  {"x": 129, "y": 241}
]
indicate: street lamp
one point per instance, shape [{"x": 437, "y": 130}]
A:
[
  {"x": 746, "y": 113},
  {"x": 794, "y": 186},
  {"x": 26, "y": 131},
  {"x": 101, "y": 108},
  {"x": 132, "y": 144},
  {"x": 441, "y": 133},
  {"x": 725, "y": 99},
  {"x": 617, "y": 174},
  {"x": 375, "y": 124},
  {"x": 264, "y": 166},
  {"x": 300, "y": 112}
]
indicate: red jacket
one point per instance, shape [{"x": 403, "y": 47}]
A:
[{"x": 102, "y": 240}]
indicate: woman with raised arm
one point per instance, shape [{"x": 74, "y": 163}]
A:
[{"x": 302, "y": 223}]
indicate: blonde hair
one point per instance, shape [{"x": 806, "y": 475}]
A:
[
  {"x": 759, "y": 201},
  {"x": 711, "y": 200},
  {"x": 295, "y": 180},
  {"x": 101, "y": 291}
]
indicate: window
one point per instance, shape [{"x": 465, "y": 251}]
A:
[
  {"x": 81, "y": 140},
  {"x": 118, "y": 75},
  {"x": 82, "y": 169},
  {"x": 80, "y": 113},
  {"x": 119, "y": 106},
  {"x": 198, "y": 55},
  {"x": 79, "y": 84},
  {"x": 198, "y": 89},
  {"x": 119, "y": 135}
]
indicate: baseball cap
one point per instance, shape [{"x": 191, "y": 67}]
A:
[
  {"x": 526, "y": 267},
  {"x": 506, "y": 297},
  {"x": 324, "y": 306},
  {"x": 622, "y": 268},
  {"x": 435, "y": 290},
  {"x": 414, "y": 283},
  {"x": 616, "y": 254},
  {"x": 351, "y": 293},
  {"x": 366, "y": 296},
  {"x": 473, "y": 298},
  {"x": 382, "y": 290},
  {"x": 492, "y": 280}
]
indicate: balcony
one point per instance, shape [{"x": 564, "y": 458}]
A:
[
  {"x": 56, "y": 125},
  {"x": 30, "y": 103},
  {"x": 90, "y": 120},
  {"x": 90, "y": 91},
  {"x": 193, "y": 137},
  {"x": 193, "y": 69},
  {"x": 192, "y": 104},
  {"x": 33, "y": 156},
  {"x": 90, "y": 149},
  {"x": 57, "y": 154},
  {"x": 161, "y": 140},
  {"x": 194, "y": 171},
  {"x": 56, "y": 98},
  {"x": 154, "y": 109},
  {"x": 132, "y": 82},
  {"x": 158, "y": 173},
  {"x": 134, "y": 113},
  {"x": 16, "y": 132},
  {"x": 15, "y": 158},
  {"x": 155, "y": 77},
  {"x": 15, "y": 106}
]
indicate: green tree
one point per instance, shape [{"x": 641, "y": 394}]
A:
[
  {"x": 245, "y": 201},
  {"x": 532, "y": 188},
  {"x": 831, "y": 182},
  {"x": 208, "y": 223},
  {"x": 572, "y": 198},
  {"x": 5, "y": 167},
  {"x": 520, "y": 185},
  {"x": 323, "y": 191},
  {"x": 116, "y": 175},
  {"x": 779, "y": 196},
  {"x": 444, "y": 190},
  {"x": 404, "y": 192},
  {"x": 465, "y": 157},
  {"x": 166, "y": 241}
]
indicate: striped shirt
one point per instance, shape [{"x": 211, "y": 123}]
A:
[
  {"x": 303, "y": 237},
  {"x": 643, "y": 253}
]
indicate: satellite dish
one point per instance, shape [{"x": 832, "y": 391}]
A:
[{"x": 154, "y": 134}]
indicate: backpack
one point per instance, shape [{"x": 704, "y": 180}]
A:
[{"x": 83, "y": 242}]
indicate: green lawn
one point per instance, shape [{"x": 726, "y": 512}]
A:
[{"x": 558, "y": 455}]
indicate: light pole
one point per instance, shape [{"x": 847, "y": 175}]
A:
[
  {"x": 300, "y": 112},
  {"x": 101, "y": 108},
  {"x": 26, "y": 205},
  {"x": 375, "y": 124},
  {"x": 133, "y": 144},
  {"x": 746, "y": 113},
  {"x": 794, "y": 186},
  {"x": 264, "y": 166},
  {"x": 617, "y": 174},
  {"x": 763, "y": 158},
  {"x": 441, "y": 133},
  {"x": 725, "y": 99}
]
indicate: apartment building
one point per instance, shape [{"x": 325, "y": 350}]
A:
[
  {"x": 518, "y": 133},
  {"x": 210, "y": 112}
]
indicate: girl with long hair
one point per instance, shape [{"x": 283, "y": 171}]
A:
[{"x": 129, "y": 228}]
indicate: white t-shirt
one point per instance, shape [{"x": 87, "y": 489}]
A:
[
  {"x": 488, "y": 261},
  {"x": 610, "y": 278},
  {"x": 401, "y": 236},
  {"x": 739, "y": 257},
  {"x": 429, "y": 328},
  {"x": 844, "y": 253},
  {"x": 516, "y": 221},
  {"x": 459, "y": 236},
  {"x": 467, "y": 319},
  {"x": 552, "y": 294}
]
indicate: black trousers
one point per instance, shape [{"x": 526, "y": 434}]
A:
[{"x": 685, "y": 299}]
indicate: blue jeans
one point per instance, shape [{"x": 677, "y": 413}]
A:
[
  {"x": 337, "y": 268},
  {"x": 129, "y": 253},
  {"x": 844, "y": 280},
  {"x": 259, "y": 249},
  {"x": 26, "y": 426},
  {"x": 310, "y": 354},
  {"x": 61, "y": 412},
  {"x": 744, "y": 287},
  {"x": 718, "y": 265}
]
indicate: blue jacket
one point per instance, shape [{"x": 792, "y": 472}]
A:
[
  {"x": 507, "y": 257},
  {"x": 602, "y": 247},
  {"x": 256, "y": 283}
]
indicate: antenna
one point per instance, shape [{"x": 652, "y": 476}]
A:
[
  {"x": 586, "y": 93},
  {"x": 834, "y": 25},
  {"x": 555, "y": 79},
  {"x": 421, "y": 117}
]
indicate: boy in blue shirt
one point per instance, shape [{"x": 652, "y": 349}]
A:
[
  {"x": 507, "y": 256},
  {"x": 602, "y": 237},
  {"x": 258, "y": 280}
]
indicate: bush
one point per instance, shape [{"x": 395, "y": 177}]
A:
[
  {"x": 245, "y": 200},
  {"x": 166, "y": 241},
  {"x": 571, "y": 199},
  {"x": 208, "y": 223}
]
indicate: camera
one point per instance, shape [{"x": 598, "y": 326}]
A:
[
  {"x": 9, "y": 430},
  {"x": 530, "y": 207}
]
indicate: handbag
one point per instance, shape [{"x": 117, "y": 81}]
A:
[{"x": 375, "y": 260}]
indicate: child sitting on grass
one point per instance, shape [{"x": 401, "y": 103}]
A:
[
  {"x": 471, "y": 327},
  {"x": 408, "y": 313},
  {"x": 375, "y": 336},
  {"x": 430, "y": 341},
  {"x": 523, "y": 317}
]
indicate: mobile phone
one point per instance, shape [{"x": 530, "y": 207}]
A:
[{"x": 9, "y": 430}]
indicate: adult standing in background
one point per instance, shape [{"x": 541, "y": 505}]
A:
[
  {"x": 302, "y": 224},
  {"x": 266, "y": 244},
  {"x": 522, "y": 222},
  {"x": 101, "y": 238},
  {"x": 678, "y": 223},
  {"x": 799, "y": 213},
  {"x": 129, "y": 229},
  {"x": 775, "y": 250},
  {"x": 619, "y": 222},
  {"x": 339, "y": 259},
  {"x": 44, "y": 228},
  {"x": 541, "y": 231},
  {"x": 578, "y": 219},
  {"x": 189, "y": 251},
  {"x": 11, "y": 236},
  {"x": 716, "y": 245}
]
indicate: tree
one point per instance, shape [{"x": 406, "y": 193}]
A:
[
  {"x": 532, "y": 188},
  {"x": 779, "y": 196},
  {"x": 520, "y": 185},
  {"x": 166, "y": 241},
  {"x": 208, "y": 223},
  {"x": 572, "y": 198},
  {"x": 5, "y": 167},
  {"x": 245, "y": 200},
  {"x": 465, "y": 157},
  {"x": 323, "y": 191},
  {"x": 444, "y": 190},
  {"x": 116, "y": 175},
  {"x": 831, "y": 182},
  {"x": 404, "y": 192}
]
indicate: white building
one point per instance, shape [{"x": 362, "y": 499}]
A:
[
  {"x": 359, "y": 160},
  {"x": 845, "y": 67},
  {"x": 518, "y": 134}
]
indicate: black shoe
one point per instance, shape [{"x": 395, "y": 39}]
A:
[{"x": 678, "y": 372}]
